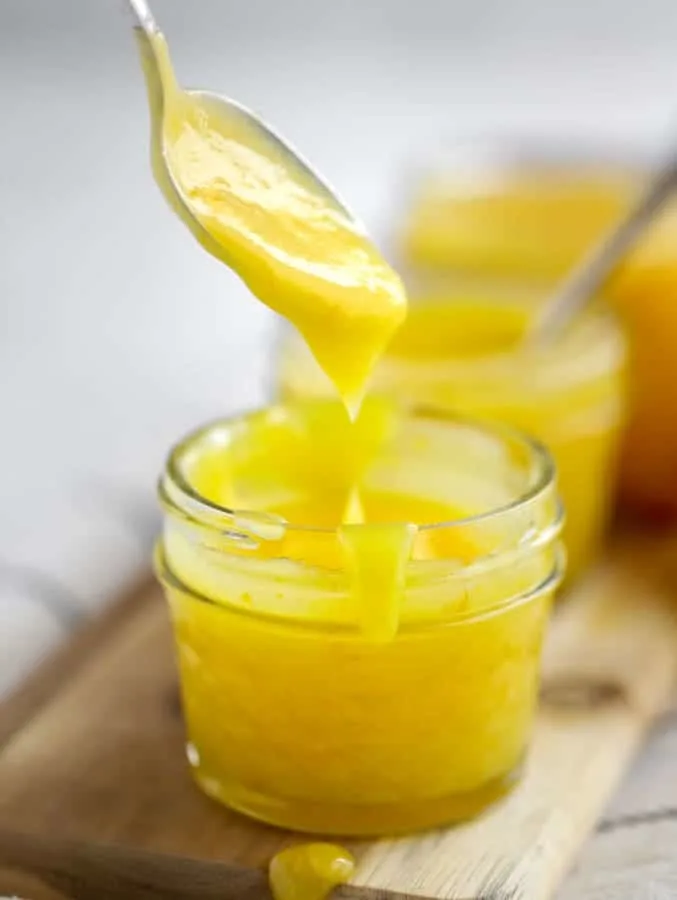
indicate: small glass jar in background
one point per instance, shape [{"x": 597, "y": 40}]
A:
[
  {"x": 460, "y": 351},
  {"x": 529, "y": 209},
  {"x": 294, "y": 715},
  {"x": 521, "y": 207}
]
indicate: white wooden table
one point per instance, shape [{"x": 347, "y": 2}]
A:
[{"x": 633, "y": 854}]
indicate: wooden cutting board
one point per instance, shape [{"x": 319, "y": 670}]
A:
[{"x": 96, "y": 800}]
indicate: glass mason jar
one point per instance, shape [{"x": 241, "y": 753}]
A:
[
  {"x": 460, "y": 351},
  {"x": 515, "y": 206},
  {"x": 528, "y": 209},
  {"x": 295, "y": 715}
]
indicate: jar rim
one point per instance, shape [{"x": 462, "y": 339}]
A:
[
  {"x": 484, "y": 154},
  {"x": 548, "y": 584},
  {"x": 603, "y": 350},
  {"x": 176, "y": 491}
]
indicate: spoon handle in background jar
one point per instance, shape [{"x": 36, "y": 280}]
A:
[{"x": 590, "y": 275}]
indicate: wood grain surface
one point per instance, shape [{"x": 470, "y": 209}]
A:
[{"x": 96, "y": 800}]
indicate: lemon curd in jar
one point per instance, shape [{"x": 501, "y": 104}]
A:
[
  {"x": 299, "y": 712},
  {"x": 531, "y": 212},
  {"x": 461, "y": 349},
  {"x": 514, "y": 210}
]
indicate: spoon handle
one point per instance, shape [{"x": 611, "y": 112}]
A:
[
  {"x": 590, "y": 275},
  {"x": 143, "y": 16},
  {"x": 63, "y": 869}
]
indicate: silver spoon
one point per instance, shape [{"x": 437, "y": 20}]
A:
[
  {"x": 145, "y": 28},
  {"x": 589, "y": 276}
]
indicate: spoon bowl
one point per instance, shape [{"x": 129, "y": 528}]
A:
[{"x": 146, "y": 29}]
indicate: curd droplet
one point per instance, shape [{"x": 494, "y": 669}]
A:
[{"x": 309, "y": 871}]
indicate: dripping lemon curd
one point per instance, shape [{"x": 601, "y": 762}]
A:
[
  {"x": 462, "y": 348},
  {"x": 273, "y": 224}
]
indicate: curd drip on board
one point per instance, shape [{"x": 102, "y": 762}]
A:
[{"x": 309, "y": 871}]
